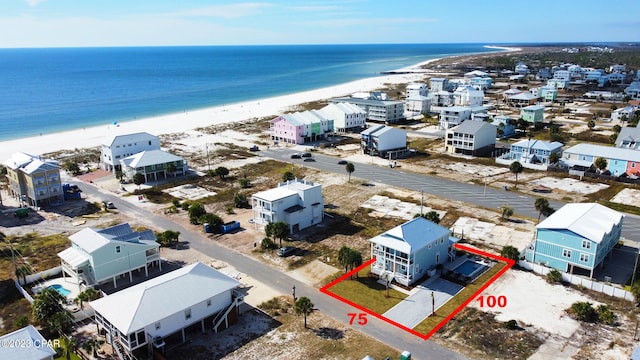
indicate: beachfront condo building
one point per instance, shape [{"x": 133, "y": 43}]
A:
[
  {"x": 34, "y": 181},
  {"x": 377, "y": 105},
  {"x": 119, "y": 147}
]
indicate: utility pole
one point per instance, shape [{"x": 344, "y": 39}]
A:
[{"x": 421, "y": 200}]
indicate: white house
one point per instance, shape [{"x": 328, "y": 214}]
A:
[
  {"x": 521, "y": 68},
  {"x": 381, "y": 140},
  {"x": 629, "y": 138},
  {"x": 411, "y": 251},
  {"x": 377, "y": 106},
  {"x": 153, "y": 164},
  {"x": 100, "y": 255},
  {"x": 298, "y": 203},
  {"x": 558, "y": 83},
  {"x": 346, "y": 117},
  {"x": 147, "y": 316},
  {"x": 562, "y": 75},
  {"x": 121, "y": 146},
  {"x": 626, "y": 112},
  {"x": 26, "y": 344},
  {"x": 468, "y": 96},
  {"x": 471, "y": 138},
  {"x": 419, "y": 89},
  {"x": 454, "y": 115},
  {"x": 439, "y": 84},
  {"x": 417, "y": 104}
]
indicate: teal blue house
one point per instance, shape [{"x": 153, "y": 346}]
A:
[
  {"x": 576, "y": 236},
  {"x": 101, "y": 255}
]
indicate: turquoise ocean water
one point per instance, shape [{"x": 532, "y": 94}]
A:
[{"x": 56, "y": 89}]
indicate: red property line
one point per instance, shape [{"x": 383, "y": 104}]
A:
[{"x": 509, "y": 262}]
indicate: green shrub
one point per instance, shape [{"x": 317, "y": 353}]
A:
[
  {"x": 554, "y": 276},
  {"x": 605, "y": 315},
  {"x": 584, "y": 311},
  {"x": 267, "y": 244},
  {"x": 511, "y": 325}
]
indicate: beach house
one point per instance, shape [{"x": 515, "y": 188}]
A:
[
  {"x": 454, "y": 115},
  {"x": 474, "y": 138},
  {"x": 100, "y": 255},
  {"x": 410, "y": 251},
  {"x": 468, "y": 96},
  {"x": 532, "y": 114},
  {"x": 301, "y": 127},
  {"x": 378, "y": 106},
  {"x": 346, "y": 117},
  {"x": 506, "y": 125},
  {"x": 298, "y": 203},
  {"x": 624, "y": 114},
  {"x": 629, "y": 138},
  {"x": 633, "y": 90},
  {"x": 534, "y": 151},
  {"x": 158, "y": 313},
  {"x": 153, "y": 164},
  {"x": 417, "y": 89},
  {"x": 523, "y": 98},
  {"x": 34, "y": 181},
  {"x": 382, "y": 140},
  {"x": 619, "y": 160},
  {"x": 26, "y": 344},
  {"x": 121, "y": 146},
  {"x": 439, "y": 84},
  {"x": 576, "y": 236}
]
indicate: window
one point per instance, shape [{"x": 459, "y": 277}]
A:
[
  {"x": 584, "y": 257},
  {"x": 429, "y": 246},
  {"x": 157, "y": 326},
  {"x": 208, "y": 302},
  {"x": 566, "y": 253},
  {"x": 187, "y": 314},
  {"x": 118, "y": 249},
  {"x": 149, "y": 142},
  {"x": 586, "y": 244}
]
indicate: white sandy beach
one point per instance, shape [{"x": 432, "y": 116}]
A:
[{"x": 188, "y": 120}]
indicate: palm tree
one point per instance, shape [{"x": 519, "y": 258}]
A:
[
  {"x": 541, "y": 206},
  {"x": 70, "y": 346},
  {"x": 89, "y": 294},
  {"x": 304, "y": 306},
  {"x": 23, "y": 271},
  {"x": 92, "y": 345},
  {"x": 601, "y": 163},
  {"x": 345, "y": 256},
  {"x": 350, "y": 168},
  {"x": 356, "y": 260},
  {"x": 138, "y": 179},
  {"x": 507, "y": 211},
  {"x": 516, "y": 168}
]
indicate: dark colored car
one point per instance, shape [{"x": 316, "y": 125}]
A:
[
  {"x": 286, "y": 251},
  {"x": 254, "y": 148},
  {"x": 342, "y": 162},
  {"x": 306, "y": 155},
  {"x": 309, "y": 159},
  {"x": 296, "y": 156}
]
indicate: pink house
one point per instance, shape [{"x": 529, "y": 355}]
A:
[
  {"x": 301, "y": 127},
  {"x": 284, "y": 130}
]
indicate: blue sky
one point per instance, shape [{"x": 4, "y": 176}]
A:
[{"x": 53, "y": 23}]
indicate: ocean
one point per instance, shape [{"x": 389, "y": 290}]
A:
[{"x": 54, "y": 89}]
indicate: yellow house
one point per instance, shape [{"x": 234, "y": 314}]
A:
[{"x": 34, "y": 181}]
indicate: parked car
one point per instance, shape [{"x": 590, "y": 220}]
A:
[
  {"x": 296, "y": 156},
  {"x": 254, "y": 148},
  {"x": 286, "y": 251},
  {"x": 108, "y": 205},
  {"x": 306, "y": 155},
  {"x": 342, "y": 162},
  {"x": 309, "y": 159}
]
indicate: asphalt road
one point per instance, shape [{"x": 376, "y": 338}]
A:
[
  {"x": 283, "y": 283},
  {"x": 477, "y": 195}
]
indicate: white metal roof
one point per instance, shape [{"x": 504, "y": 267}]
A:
[
  {"x": 275, "y": 194},
  {"x": 73, "y": 257},
  {"x": 90, "y": 239},
  {"x": 28, "y": 344},
  {"x": 589, "y": 220},
  {"x": 128, "y": 138},
  {"x": 538, "y": 144},
  {"x": 144, "y": 304},
  {"x": 607, "y": 152},
  {"x": 150, "y": 157},
  {"x": 411, "y": 236}
]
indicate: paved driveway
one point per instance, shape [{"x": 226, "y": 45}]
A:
[{"x": 416, "y": 307}]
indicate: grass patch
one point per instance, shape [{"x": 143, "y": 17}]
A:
[
  {"x": 365, "y": 290},
  {"x": 450, "y": 306}
]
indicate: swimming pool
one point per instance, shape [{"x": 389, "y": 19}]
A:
[
  {"x": 470, "y": 268},
  {"x": 59, "y": 288}
]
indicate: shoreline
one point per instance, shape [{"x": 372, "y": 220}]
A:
[{"x": 189, "y": 120}]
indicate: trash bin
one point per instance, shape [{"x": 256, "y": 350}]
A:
[
  {"x": 405, "y": 355},
  {"x": 207, "y": 228}
]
